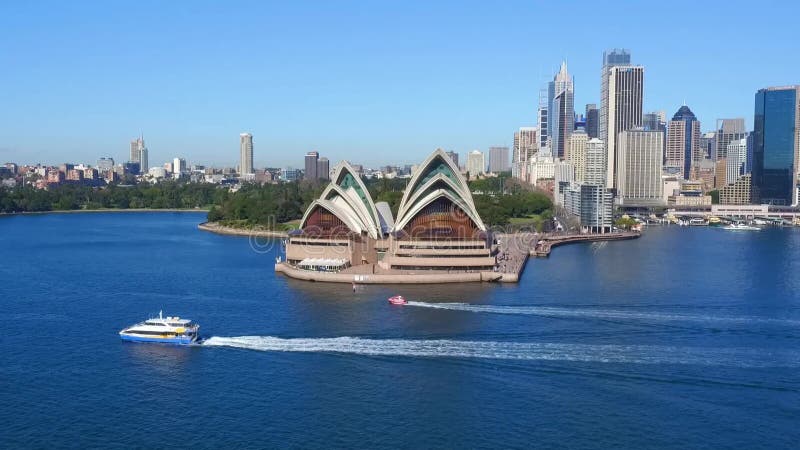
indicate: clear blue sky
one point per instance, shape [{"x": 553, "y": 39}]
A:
[{"x": 373, "y": 82}]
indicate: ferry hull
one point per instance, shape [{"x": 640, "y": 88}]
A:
[{"x": 175, "y": 340}]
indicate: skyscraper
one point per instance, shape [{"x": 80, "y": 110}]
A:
[
  {"x": 136, "y": 145},
  {"x": 621, "y": 92},
  {"x": 683, "y": 142},
  {"x": 595, "y": 170},
  {"x": 562, "y": 107},
  {"x": 245, "y": 154},
  {"x": 454, "y": 156},
  {"x": 591, "y": 120},
  {"x": 526, "y": 144},
  {"x": 576, "y": 153},
  {"x": 475, "y": 163},
  {"x": 776, "y": 138},
  {"x": 179, "y": 167},
  {"x": 311, "y": 166},
  {"x": 498, "y": 159},
  {"x": 543, "y": 118},
  {"x": 323, "y": 168},
  {"x": 728, "y": 130},
  {"x": 139, "y": 154},
  {"x": 640, "y": 165},
  {"x": 735, "y": 160}
]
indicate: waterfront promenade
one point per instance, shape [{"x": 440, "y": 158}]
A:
[{"x": 512, "y": 253}]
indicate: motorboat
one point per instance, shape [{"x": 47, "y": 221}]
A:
[
  {"x": 740, "y": 227},
  {"x": 398, "y": 300},
  {"x": 166, "y": 330}
]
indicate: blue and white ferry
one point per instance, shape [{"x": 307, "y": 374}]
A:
[{"x": 167, "y": 330}]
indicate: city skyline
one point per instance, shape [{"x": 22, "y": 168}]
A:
[{"x": 367, "y": 84}]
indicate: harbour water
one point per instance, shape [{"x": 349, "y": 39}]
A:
[{"x": 683, "y": 338}]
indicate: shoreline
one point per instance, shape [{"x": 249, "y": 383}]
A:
[
  {"x": 216, "y": 228},
  {"x": 108, "y": 210}
]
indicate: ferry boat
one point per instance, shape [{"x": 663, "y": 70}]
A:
[
  {"x": 397, "y": 300},
  {"x": 740, "y": 227},
  {"x": 167, "y": 330}
]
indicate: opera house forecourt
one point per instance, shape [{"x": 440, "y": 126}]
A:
[{"x": 437, "y": 237}]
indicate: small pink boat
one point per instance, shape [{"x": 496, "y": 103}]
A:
[{"x": 397, "y": 300}]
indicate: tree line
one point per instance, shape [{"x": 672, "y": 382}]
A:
[
  {"x": 270, "y": 205},
  {"x": 65, "y": 197}
]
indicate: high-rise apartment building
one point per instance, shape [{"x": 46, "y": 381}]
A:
[
  {"x": 576, "y": 153},
  {"x": 728, "y": 130},
  {"x": 476, "y": 164},
  {"x": 245, "y": 154},
  {"x": 683, "y": 148},
  {"x": 640, "y": 166},
  {"x": 592, "y": 117},
  {"x": 621, "y": 94},
  {"x": 776, "y": 142},
  {"x": 311, "y": 166},
  {"x": 595, "y": 171},
  {"x": 562, "y": 111},
  {"x": 498, "y": 159}
]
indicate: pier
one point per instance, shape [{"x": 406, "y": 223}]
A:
[{"x": 545, "y": 245}]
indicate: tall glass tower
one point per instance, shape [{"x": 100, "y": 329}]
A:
[{"x": 776, "y": 137}]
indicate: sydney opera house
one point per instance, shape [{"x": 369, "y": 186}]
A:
[{"x": 437, "y": 236}]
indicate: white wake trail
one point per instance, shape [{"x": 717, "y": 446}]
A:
[
  {"x": 525, "y": 351},
  {"x": 547, "y": 311}
]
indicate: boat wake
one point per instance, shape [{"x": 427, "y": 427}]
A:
[
  {"x": 524, "y": 351},
  {"x": 547, "y": 311}
]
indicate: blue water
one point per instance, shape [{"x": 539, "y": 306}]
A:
[{"x": 685, "y": 338}]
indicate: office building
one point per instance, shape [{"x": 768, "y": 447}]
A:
[
  {"x": 737, "y": 193},
  {"x": 683, "y": 148},
  {"x": 323, "y": 169},
  {"x": 245, "y": 154},
  {"x": 776, "y": 138},
  {"x": 526, "y": 145},
  {"x": 290, "y": 175},
  {"x": 179, "y": 167},
  {"x": 543, "y": 119},
  {"x": 311, "y": 166},
  {"x": 736, "y": 159},
  {"x": 640, "y": 165},
  {"x": 540, "y": 167},
  {"x": 105, "y": 164},
  {"x": 728, "y": 130},
  {"x": 139, "y": 154},
  {"x": 563, "y": 177},
  {"x": 592, "y": 117},
  {"x": 654, "y": 121},
  {"x": 708, "y": 145},
  {"x": 498, "y": 159},
  {"x": 576, "y": 153},
  {"x": 476, "y": 164},
  {"x": 621, "y": 93},
  {"x": 453, "y": 156},
  {"x": 720, "y": 173},
  {"x": 562, "y": 117}
]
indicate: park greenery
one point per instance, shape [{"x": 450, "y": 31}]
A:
[
  {"x": 499, "y": 201},
  {"x": 66, "y": 197}
]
